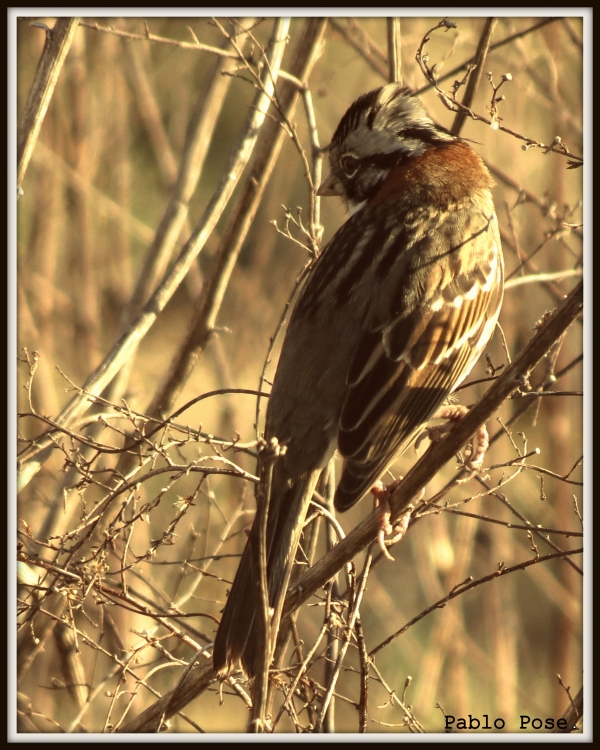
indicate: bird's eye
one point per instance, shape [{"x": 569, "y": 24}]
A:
[{"x": 349, "y": 165}]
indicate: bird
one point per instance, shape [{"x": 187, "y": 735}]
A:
[{"x": 391, "y": 318}]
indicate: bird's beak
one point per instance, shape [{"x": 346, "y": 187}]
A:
[{"x": 330, "y": 186}]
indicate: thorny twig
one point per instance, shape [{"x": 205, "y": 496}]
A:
[{"x": 451, "y": 103}]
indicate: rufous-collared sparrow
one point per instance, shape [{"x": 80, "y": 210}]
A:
[{"x": 391, "y": 318}]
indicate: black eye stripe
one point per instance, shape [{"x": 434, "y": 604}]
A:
[
  {"x": 389, "y": 160},
  {"x": 381, "y": 161}
]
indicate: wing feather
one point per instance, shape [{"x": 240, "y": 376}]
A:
[{"x": 403, "y": 372}]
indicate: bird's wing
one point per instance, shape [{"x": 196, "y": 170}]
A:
[{"x": 404, "y": 371}]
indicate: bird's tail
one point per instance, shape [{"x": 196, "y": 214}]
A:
[{"x": 236, "y": 636}]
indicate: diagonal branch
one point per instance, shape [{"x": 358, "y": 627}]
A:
[
  {"x": 475, "y": 77},
  {"x": 58, "y": 44},
  {"x": 128, "y": 343},
  {"x": 208, "y": 305},
  {"x": 431, "y": 462},
  {"x": 438, "y": 454}
]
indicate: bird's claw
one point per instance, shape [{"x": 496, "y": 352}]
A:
[
  {"x": 479, "y": 443},
  {"x": 382, "y": 494}
]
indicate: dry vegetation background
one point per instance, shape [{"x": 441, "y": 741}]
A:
[{"x": 125, "y": 557}]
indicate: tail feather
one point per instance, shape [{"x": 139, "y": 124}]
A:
[
  {"x": 235, "y": 638},
  {"x": 238, "y": 618}
]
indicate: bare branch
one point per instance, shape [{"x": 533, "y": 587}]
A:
[{"x": 58, "y": 43}]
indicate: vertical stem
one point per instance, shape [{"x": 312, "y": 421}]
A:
[
  {"x": 475, "y": 77},
  {"x": 259, "y": 560},
  {"x": 333, "y": 643},
  {"x": 394, "y": 47},
  {"x": 128, "y": 343},
  {"x": 208, "y": 305},
  {"x": 58, "y": 43},
  {"x": 354, "y": 613}
]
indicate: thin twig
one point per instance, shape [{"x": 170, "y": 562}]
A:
[
  {"x": 394, "y": 50},
  {"x": 129, "y": 342},
  {"x": 467, "y": 586},
  {"x": 444, "y": 450},
  {"x": 354, "y": 613},
  {"x": 476, "y": 73},
  {"x": 451, "y": 103},
  {"x": 207, "y": 307}
]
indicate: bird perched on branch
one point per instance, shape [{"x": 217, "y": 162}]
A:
[{"x": 391, "y": 318}]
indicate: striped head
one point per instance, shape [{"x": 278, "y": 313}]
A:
[{"x": 380, "y": 129}]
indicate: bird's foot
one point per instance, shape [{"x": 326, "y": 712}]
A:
[
  {"x": 382, "y": 494},
  {"x": 479, "y": 443}
]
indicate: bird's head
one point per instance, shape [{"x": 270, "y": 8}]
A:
[{"x": 380, "y": 129}]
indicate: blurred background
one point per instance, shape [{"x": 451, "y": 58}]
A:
[{"x": 100, "y": 180}]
